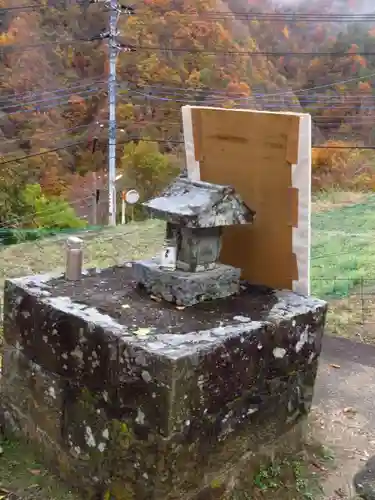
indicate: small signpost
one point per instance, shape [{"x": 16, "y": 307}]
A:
[{"x": 130, "y": 197}]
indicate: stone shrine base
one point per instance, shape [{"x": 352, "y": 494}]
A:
[
  {"x": 187, "y": 289},
  {"x": 135, "y": 399}
]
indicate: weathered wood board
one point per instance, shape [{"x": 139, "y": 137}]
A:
[{"x": 267, "y": 157}]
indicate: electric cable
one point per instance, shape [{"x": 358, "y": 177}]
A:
[
  {"x": 319, "y": 87},
  {"x": 3, "y": 10},
  {"x": 211, "y": 101},
  {"x": 276, "y": 15},
  {"x": 32, "y": 155},
  {"x": 251, "y": 53},
  {"x": 52, "y": 132},
  {"x": 51, "y": 105},
  {"x": 266, "y": 16},
  {"x": 76, "y": 86}
]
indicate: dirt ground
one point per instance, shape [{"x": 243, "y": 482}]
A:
[
  {"x": 350, "y": 447},
  {"x": 343, "y": 417}
]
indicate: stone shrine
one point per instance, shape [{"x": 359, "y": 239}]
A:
[
  {"x": 196, "y": 213},
  {"x": 131, "y": 397}
]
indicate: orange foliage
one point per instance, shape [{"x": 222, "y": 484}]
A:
[
  {"x": 53, "y": 183},
  {"x": 238, "y": 88},
  {"x": 364, "y": 87},
  {"x": 353, "y": 48},
  {"x": 76, "y": 100},
  {"x": 199, "y": 51},
  {"x": 336, "y": 165}
]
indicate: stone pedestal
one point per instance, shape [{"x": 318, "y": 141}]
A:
[
  {"x": 139, "y": 400},
  {"x": 185, "y": 288}
]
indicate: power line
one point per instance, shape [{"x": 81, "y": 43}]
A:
[
  {"x": 52, "y": 102},
  {"x": 171, "y": 141},
  {"x": 3, "y": 10},
  {"x": 193, "y": 51},
  {"x": 85, "y": 140},
  {"x": 226, "y": 95},
  {"x": 160, "y": 141},
  {"x": 35, "y": 7},
  {"x": 31, "y": 46},
  {"x": 326, "y": 85},
  {"x": 52, "y": 132},
  {"x": 165, "y": 89},
  {"x": 23, "y": 48},
  {"x": 273, "y": 16},
  {"x": 276, "y": 15},
  {"x": 17, "y": 97},
  {"x": 269, "y": 16},
  {"x": 164, "y": 124},
  {"x": 296, "y": 92},
  {"x": 253, "y": 53},
  {"x": 211, "y": 100},
  {"x": 297, "y": 108},
  {"x": 32, "y": 155}
]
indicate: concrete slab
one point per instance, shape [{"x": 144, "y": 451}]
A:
[
  {"x": 346, "y": 378},
  {"x": 344, "y": 410}
]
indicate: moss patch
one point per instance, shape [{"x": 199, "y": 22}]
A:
[
  {"x": 290, "y": 478},
  {"x": 23, "y": 477}
]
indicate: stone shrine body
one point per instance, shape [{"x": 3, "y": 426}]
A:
[{"x": 196, "y": 213}]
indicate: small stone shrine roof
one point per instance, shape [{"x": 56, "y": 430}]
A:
[{"x": 198, "y": 204}]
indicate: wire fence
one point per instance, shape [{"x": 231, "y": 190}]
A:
[
  {"x": 350, "y": 314},
  {"x": 351, "y": 296}
]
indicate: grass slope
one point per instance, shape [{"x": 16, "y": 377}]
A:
[
  {"x": 343, "y": 256},
  {"x": 343, "y": 248},
  {"x": 22, "y": 477},
  {"x": 107, "y": 247}
]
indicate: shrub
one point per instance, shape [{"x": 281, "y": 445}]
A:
[
  {"x": 336, "y": 165},
  {"x": 49, "y": 211},
  {"x": 147, "y": 170}
]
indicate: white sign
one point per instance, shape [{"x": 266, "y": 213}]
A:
[
  {"x": 169, "y": 258},
  {"x": 132, "y": 197}
]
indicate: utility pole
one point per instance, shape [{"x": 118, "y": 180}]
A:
[
  {"x": 113, "y": 50},
  {"x": 115, "y": 10}
]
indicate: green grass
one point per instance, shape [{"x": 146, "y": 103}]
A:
[
  {"x": 105, "y": 248},
  {"x": 343, "y": 248},
  {"x": 290, "y": 478},
  {"x": 23, "y": 477}
]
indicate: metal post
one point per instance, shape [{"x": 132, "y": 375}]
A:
[
  {"x": 74, "y": 258},
  {"x": 123, "y": 208},
  {"x": 94, "y": 200},
  {"x": 113, "y": 17}
]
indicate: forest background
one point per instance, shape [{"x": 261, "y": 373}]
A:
[{"x": 54, "y": 103}]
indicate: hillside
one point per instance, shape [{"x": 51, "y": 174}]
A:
[{"x": 53, "y": 93}]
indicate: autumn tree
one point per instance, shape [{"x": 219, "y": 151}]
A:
[{"x": 146, "y": 169}]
